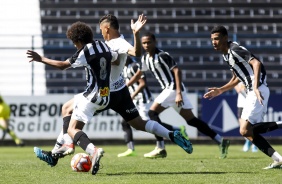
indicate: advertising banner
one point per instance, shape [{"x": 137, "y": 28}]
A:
[
  {"x": 221, "y": 114},
  {"x": 39, "y": 117}
]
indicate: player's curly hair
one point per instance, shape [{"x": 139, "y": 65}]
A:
[
  {"x": 110, "y": 19},
  {"x": 80, "y": 32}
]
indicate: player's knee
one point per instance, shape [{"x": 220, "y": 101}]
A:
[{"x": 244, "y": 132}]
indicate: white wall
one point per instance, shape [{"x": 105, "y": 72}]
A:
[{"x": 19, "y": 20}]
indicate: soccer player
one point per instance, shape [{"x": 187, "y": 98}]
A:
[
  {"x": 168, "y": 74},
  {"x": 5, "y": 113},
  {"x": 110, "y": 30},
  {"x": 246, "y": 68},
  {"x": 120, "y": 99},
  {"x": 142, "y": 99},
  {"x": 96, "y": 57},
  {"x": 241, "y": 91}
]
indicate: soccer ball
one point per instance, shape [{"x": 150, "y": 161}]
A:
[{"x": 81, "y": 162}]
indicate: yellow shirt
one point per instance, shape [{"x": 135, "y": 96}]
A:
[{"x": 4, "y": 111}]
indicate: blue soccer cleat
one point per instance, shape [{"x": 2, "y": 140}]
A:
[
  {"x": 181, "y": 141},
  {"x": 46, "y": 156}
]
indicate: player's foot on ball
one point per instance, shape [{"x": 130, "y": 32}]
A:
[
  {"x": 156, "y": 153},
  {"x": 45, "y": 156},
  {"x": 66, "y": 149},
  {"x": 127, "y": 153},
  {"x": 98, "y": 154}
]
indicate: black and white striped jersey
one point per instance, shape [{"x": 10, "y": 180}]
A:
[
  {"x": 144, "y": 96},
  {"x": 161, "y": 65},
  {"x": 96, "y": 57},
  {"x": 238, "y": 59}
]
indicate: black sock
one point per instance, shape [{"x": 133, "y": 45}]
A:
[
  {"x": 66, "y": 121},
  {"x": 202, "y": 127},
  {"x": 263, "y": 145},
  {"x": 260, "y": 128},
  {"x": 81, "y": 139}
]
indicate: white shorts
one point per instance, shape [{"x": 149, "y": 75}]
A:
[
  {"x": 83, "y": 109},
  {"x": 253, "y": 111},
  {"x": 167, "y": 99},
  {"x": 143, "y": 110}
]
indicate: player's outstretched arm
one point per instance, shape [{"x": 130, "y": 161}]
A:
[
  {"x": 34, "y": 56},
  {"x": 136, "y": 27}
]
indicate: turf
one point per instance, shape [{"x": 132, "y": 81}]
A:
[{"x": 19, "y": 165}]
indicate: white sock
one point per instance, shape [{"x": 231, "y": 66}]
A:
[
  {"x": 59, "y": 142},
  {"x": 68, "y": 139},
  {"x": 155, "y": 128},
  {"x": 276, "y": 157},
  {"x": 90, "y": 149},
  {"x": 218, "y": 139}
]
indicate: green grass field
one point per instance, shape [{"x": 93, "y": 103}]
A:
[{"x": 19, "y": 165}]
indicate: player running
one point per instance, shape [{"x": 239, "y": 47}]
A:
[
  {"x": 174, "y": 94},
  {"x": 120, "y": 100}
]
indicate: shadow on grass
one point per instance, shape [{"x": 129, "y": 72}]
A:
[{"x": 130, "y": 173}]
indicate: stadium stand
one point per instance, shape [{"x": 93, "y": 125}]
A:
[
  {"x": 20, "y": 30},
  {"x": 182, "y": 29}
]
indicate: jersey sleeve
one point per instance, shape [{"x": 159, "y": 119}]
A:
[
  {"x": 78, "y": 59},
  {"x": 136, "y": 68},
  {"x": 114, "y": 55},
  {"x": 241, "y": 52},
  {"x": 168, "y": 60},
  {"x": 119, "y": 45},
  {"x": 143, "y": 65},
  {"x": 124, "y": 47}
]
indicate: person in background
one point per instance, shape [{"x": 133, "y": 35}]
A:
[
  {"x": 5, "y": 113},
  {"x": 246, "y": 68},
  {"x": 142, "y": 99},
  {"x": 174, "y": 94}
]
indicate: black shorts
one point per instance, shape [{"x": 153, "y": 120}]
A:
[{"x": 121, "y": 102}]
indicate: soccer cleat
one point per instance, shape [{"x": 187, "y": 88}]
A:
[
  {"x": 274, "y": 165},
  {"x": 254, "y": 148},
  {"x": 127, "y": 153},
  {"x": 156, "y": 153},
  {"x": 66, "y": 149},
  {"x": 183, "y": 132},
  {"x": 182, "y": 142},
  {"x": 46, "y": 156},
  {"x": 19, "y": 142},
  {"x": 99, "y": 152},
  {"x": 223, "y": 147},
  {"x": 247, "y": 145}
]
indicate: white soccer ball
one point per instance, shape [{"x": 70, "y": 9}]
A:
[{"x": 81, "y": 162}]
